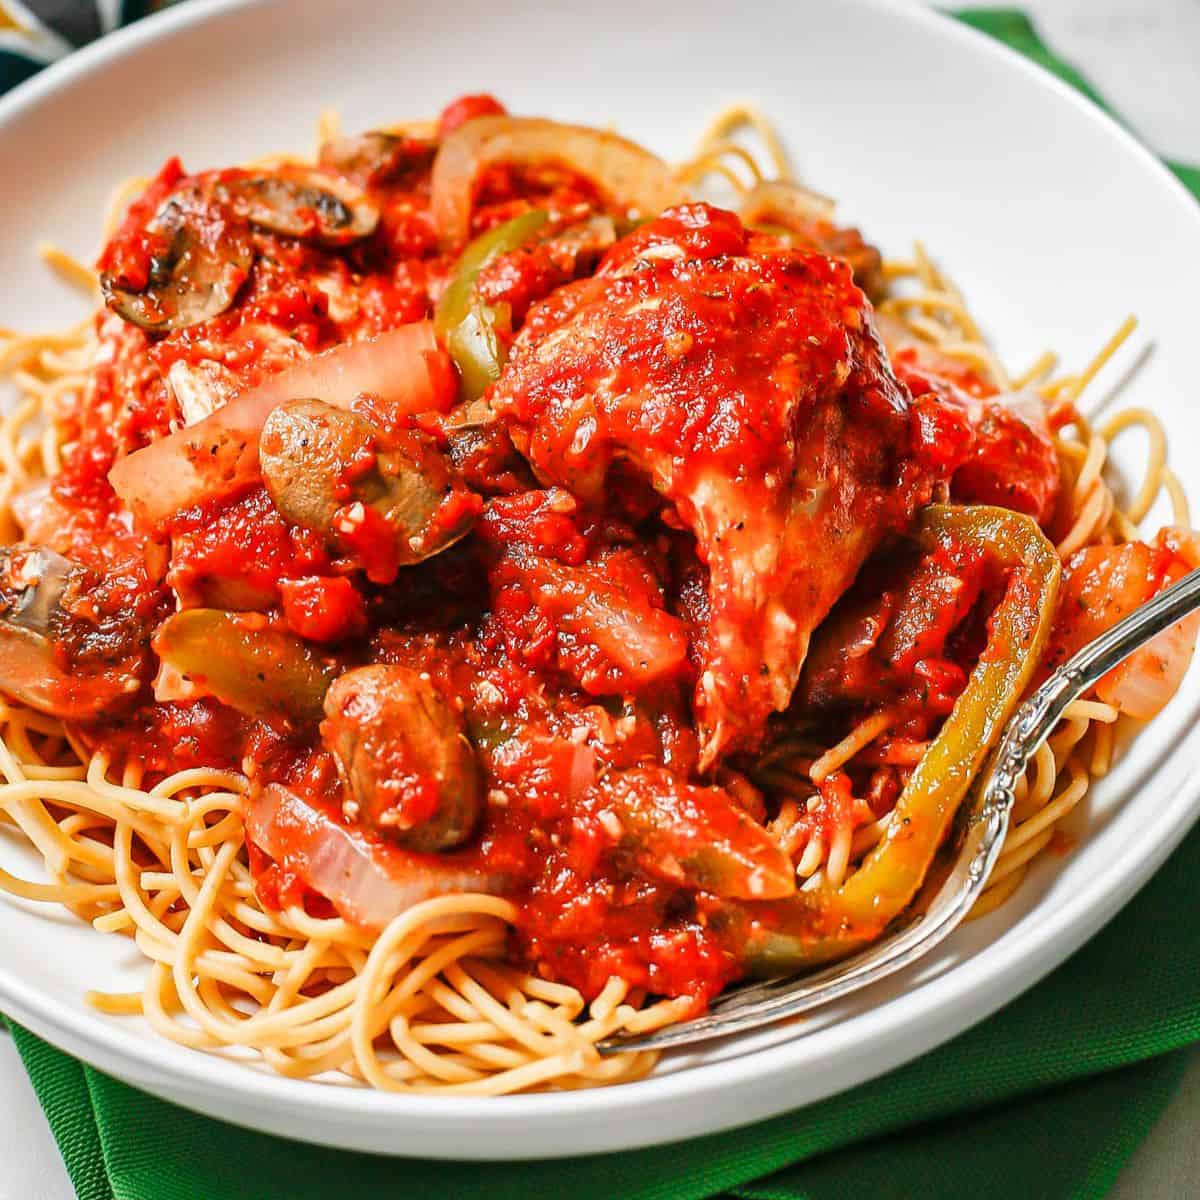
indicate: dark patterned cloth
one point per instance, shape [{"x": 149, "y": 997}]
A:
[{"x": 34, "y": 33}]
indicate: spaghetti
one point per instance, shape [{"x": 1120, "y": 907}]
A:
[{"x": 433, "y": 1000}]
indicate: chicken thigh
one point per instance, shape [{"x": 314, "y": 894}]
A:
[{"x": 744, "y": 382}]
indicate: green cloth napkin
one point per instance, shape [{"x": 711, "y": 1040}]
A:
[{"x": 1047, "y": 1098}]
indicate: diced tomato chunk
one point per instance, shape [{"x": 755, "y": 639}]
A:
[
  {"x": 467, "y": 108},
  {"x": 323, "y": 609}
]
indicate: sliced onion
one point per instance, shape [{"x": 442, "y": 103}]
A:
[
  {"x": 172, "y": 684},
  {"x": 625, "y": 173},
  {"x": 33, "y": 509},
  {"x": 368, "y": 881},
  {"x": 1027, "y": 405},
  {"x": 201, "y": 389},
  {"x": 403, "y": 368},
  {"x": 777, "y": 202},
  {"x": 1143, "y": 684},
  {"x": 583, "y": 771}
]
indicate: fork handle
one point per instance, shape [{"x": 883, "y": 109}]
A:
[
  {"x": 991, "y": 802},
  {"x": 1036, "y": 717}
]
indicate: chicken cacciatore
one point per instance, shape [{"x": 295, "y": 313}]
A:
[{"x": 517, "y": 524}]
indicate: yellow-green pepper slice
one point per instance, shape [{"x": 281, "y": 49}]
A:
[
  {"x": 697, "y": 836},
  {"x": 464, "y": 324},
  {"x": 827, "y": 923},
  {"x": 244, "y": 663}
]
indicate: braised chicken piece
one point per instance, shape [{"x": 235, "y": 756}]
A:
[
  {"x": 1012, "y": 460},
  {"x": 744, "y": 381},
  {"x": 885, "y": 642}
]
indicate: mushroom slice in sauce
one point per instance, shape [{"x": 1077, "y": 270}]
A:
[
  {"x": 306, "y": 204},
  {"x": 319, "y": 463},
  {"x": 367, "y": 152},
  {"x": 204, "y": 257},
  {"x": 376, "y": 157},
  {"x": 57, "y": 663},
  {"x": 410, "y": 772}
]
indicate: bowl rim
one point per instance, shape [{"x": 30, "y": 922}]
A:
[{"x": 928, "y": 1015}]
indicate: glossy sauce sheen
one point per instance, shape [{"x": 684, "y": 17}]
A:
[{"x": 700, "y": 449}]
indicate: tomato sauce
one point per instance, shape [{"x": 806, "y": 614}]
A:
[{"x": 696, "y": 450}]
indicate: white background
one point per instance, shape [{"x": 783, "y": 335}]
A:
[{"x": 1145, "y": 57}]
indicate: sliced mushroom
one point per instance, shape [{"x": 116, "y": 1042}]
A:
[
  {"x": 483, "y": 453},
  {"x": 318, "y": 462},
  {"x": 305, "y": 450},
  {"x": 204, "y": 259},
  {"x": 57, "y": 663},
  {"x": 375, "y": 157},
  {"x": 307, "y": 204},
  {"x": 367, "y": 151},
  {"x": 410, "y": 772},
  {"x": 34, "y": 582},
  {"x": 422, "y": 499}
]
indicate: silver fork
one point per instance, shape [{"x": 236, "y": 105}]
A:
[{"x": 990, "y": 804}]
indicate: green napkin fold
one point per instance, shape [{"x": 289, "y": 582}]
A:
[
  {"x": 1005, "y": 1110},
  {"x": 1047, "y": 1098}
]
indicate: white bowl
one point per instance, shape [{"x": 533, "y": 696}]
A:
[{"x": 1056, "y": 222}]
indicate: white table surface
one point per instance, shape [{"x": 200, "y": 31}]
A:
[{"x": 1145, "y": 57}]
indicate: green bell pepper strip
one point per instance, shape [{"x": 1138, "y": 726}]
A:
[
  {"x": 465, "y": 325},
  {"x": 827, "y": 923},
  {"x": 262, "y": 672},
  {"x": 697, "y": 836}
]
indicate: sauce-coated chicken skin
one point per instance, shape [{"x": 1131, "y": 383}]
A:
[{"x": 745, "y": 382}]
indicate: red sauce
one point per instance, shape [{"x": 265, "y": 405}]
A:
[
  {"x": 719, "y": 445},
  {"x": 1010, "y": 459},
  {"x": 323, "y": 608},
  {"x": 234, "y": 554}
]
